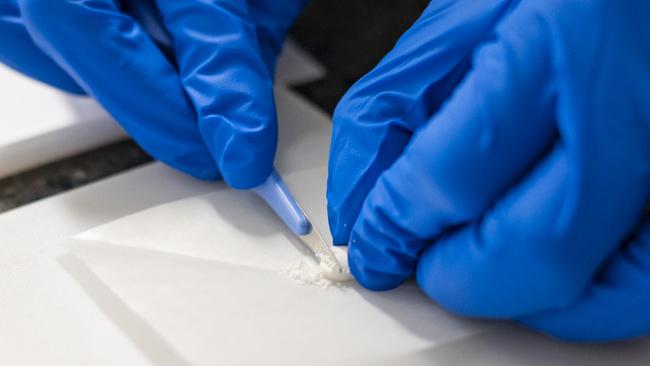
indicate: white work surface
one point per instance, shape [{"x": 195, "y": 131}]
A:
[
  {"x": 39, "y": 124},
  {"x": 162, "y": 281}
]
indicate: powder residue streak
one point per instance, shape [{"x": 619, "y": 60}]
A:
[{"x": 309, "y": 273}]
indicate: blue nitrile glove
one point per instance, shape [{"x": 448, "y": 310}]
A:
[
  {"x": 511, "y": 183},
  {"x": 208, "y": 110}
]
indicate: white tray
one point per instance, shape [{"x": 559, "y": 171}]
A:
[{"x": 115, "y": 298}]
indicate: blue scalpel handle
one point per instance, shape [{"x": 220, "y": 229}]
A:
[{"x": 276, "y": 194}]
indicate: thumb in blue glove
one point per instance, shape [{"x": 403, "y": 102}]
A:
[{"x": 377, "y": 117}]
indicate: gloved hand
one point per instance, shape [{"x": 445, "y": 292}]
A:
[
  {"x": 501, "y": 155},
  {"x": 207, "y": 109}
]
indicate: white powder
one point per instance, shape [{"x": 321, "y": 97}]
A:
[{"x": 307, "y": 272}]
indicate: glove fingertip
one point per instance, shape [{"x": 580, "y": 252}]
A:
[
  {"x": 370, "y": 278},
  {"x": 249, "y": 176},
  {"x": 244, "y": 155},
  {"x": 375, "y": 281}
]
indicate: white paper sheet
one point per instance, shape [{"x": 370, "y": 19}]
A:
[
  {"x": 213, "y": 313},
  {"x": 206, "y": 273},
  {"x": 39, "y": 124}
]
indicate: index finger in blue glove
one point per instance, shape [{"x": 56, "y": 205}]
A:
[
  {"x": 498, "y": 122},
  {"x": 375, "y": 120},
  {"x": 115, "y": 61},
  {"x": 18, "y": 51},
  {"x": 614, "y": 307},
  {"x": 223, "y": 72}
]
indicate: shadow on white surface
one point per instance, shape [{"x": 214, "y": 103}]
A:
[
  {"x": 139, "y": 332},
  {"x": 515, "y": 346}
]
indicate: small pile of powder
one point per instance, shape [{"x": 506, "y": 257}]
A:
[{"x": 309, "y": 273}]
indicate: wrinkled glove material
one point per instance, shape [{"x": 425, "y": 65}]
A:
[
  {"x": 190, "y": 81},
  {"x": 500, "y": 154}
]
